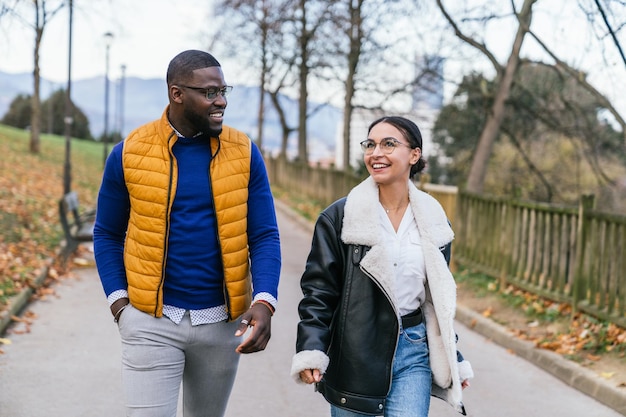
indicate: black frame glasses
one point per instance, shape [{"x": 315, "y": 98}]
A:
[
  {"x": 211, "y": 93},
  {"x": 387, "y": 145}
]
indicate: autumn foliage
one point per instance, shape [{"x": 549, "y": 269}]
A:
[
  {"x": 30, "y": 188},
  {"x": 548, "y": 324}
]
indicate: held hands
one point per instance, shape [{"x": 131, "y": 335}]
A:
[
  {"x": 259, "y": 317},
  {"x": 310, "y": 376}
]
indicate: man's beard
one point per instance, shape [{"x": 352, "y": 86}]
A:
[{"x": 202, "y": 124}]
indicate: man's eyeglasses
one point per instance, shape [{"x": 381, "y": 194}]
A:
[
  {"x": 211, "y": 93},
  {"x": 387, "y": 145}
]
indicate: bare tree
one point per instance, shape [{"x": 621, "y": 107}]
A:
[
  {"x": 43, "y": 12},
  {"x": 357, "y": 59},
  {"x": 355, "y": 34},
  {"x": 563, "y": 67},
  {"x": 287, "y": 35},
  {"x": 311, "y": 16},
  {"x": 260, "y": 24},
  {"x": 505, "y": 75}
]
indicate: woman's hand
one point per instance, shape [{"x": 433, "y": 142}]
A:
[
  {"x": 465, "y": 384},
  {"x": 310, "y": 376}
]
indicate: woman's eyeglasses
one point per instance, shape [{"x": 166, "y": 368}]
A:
[{"x": 387, "y": 145}]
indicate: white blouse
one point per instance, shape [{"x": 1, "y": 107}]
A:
[{"x": 405, "y": 251}]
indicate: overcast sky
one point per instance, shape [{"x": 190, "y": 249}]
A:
[{"x": 148, "y": 33}]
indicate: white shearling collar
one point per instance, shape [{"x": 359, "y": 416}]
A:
[{"x": 361, "y": 224}]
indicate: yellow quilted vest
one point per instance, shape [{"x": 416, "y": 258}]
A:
[{"x": 150, "y": 172}]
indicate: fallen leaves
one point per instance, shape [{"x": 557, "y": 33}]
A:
[
  {"x": 586, "y": 334},
  {"x": 30, "y": 231},
  {"x": 25, "y": 321},
  {"x": 549, "y": 325}
]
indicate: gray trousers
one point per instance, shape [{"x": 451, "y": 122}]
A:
[{"x": 157, "y": 355}]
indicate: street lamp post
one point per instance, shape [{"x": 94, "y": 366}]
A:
[
  {"x": 68, "y": 119},
  {"x": 108, "y": 37},
  {"x": 121, "y": 103}
]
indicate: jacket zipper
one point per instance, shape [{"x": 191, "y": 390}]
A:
[{"x": 394, "y": 309}]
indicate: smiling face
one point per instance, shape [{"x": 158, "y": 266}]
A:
[
  {"x": 395, "y": 167},
  {"x": 190, "y": 111}
]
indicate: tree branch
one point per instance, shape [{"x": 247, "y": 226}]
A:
[
  {"x": 608, "y": 25},
  {"x": 480, "y": 46},
  {"x": 580, "y": 79}
]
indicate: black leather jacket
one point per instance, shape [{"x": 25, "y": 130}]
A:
[
  {"x": 361, "y": 332},
  {"x": 349, "y": 316}
]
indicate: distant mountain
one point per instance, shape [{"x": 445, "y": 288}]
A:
[{"x": 145, "y": 100}]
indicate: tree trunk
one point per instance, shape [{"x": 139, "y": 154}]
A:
[
  {"x": 303, "y": 76},
  {"x": 283, "y": 123},
  {"x": 261, "y": 114},
  {"x": 478, "y": 170},
  {"x": 35, "y": 118},
  {"x": 355, "y": 34},
  {"x": 264, "y": 69}
]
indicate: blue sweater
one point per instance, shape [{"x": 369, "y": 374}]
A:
[{"x": 194, "y": 273}]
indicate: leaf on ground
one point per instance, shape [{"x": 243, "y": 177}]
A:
[
  {"x": 53, "y": 273},
  {"x": 81, "y": 262},
  {"x": 4, "y": 341}
]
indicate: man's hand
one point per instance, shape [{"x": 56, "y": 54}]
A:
[
  {"x": 118, "y": 306},
  {"x": 259, "y": 317}
]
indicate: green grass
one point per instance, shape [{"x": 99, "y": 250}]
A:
[
  {"x": 307, "y": 208},
  {"x": 531, "y": 305},
  {"x": 30, "y": 188}
]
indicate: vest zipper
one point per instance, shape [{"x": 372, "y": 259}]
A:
[
  {"x": 167, "y": 230},
  {"x": 219, "y": 241}
]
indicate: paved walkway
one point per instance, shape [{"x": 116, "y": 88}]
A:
[{"x": 68, "y": 364}]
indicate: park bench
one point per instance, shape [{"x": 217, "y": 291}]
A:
[{"x": 77, "y": 226}]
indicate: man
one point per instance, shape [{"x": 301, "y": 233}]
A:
[{"x": 187, "y": 248}]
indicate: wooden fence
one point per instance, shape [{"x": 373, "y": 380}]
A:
[
  {"x": 324, "y": 185},
  {"x": 573, "y": 255},
  {"x": 567, "y": 254}
]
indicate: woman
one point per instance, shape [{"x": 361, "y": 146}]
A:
[{"x": 376, "y": 329}]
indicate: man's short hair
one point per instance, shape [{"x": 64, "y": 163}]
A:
[{"x": 183, "y": 64}]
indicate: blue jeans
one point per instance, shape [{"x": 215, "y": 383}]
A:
[{"x": 411, "y": 381}]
